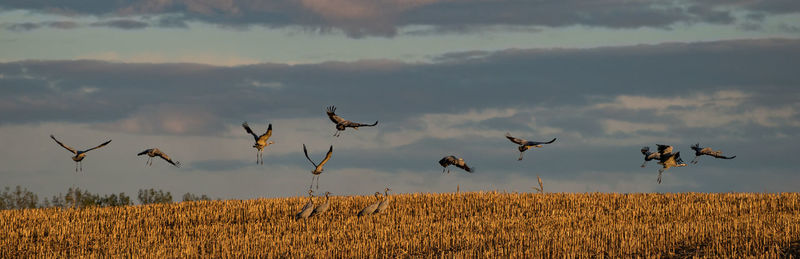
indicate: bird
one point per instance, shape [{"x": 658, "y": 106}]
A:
[
  {"x": 369, "y": 210},
  {"x": 317, "y": 167},
  {"x": 526, "y": 144},
  {"x": 698, "y": 152},
  {"x": 261, "y": 141},
  {"x": 79, "y": 154},
  {"x": 668, "y": 159},
  {"x": 458, "y": 162},
  {"x": 385, "y": 202},
  {"x": 649, "y": 155},
  {"x": 153, "y": 152},
  {"x": 322, "y": 207},
  {"x": 342, "y": 124},
  {"x": 306, "y": 211}
]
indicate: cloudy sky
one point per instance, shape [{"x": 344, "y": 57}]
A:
[{"x": 443, "y": 77}]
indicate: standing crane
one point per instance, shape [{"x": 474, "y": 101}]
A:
[
  {"x": 261, "y": 141},
  {"x": 458, "y": 162},
  {"x": 526, "y": 144},
  {"x": 153, "y": 152},
  {"x": 342, "y": 124},
  {"x": 79, "y": 154},
  {"x": 306, "y": 211},
  {"x": 369, "y": 210},
  {"x": 322, "y": 207},
  {"x": 385, "y": 202},
  {"x": 698, "y": 152},
  {"x": 317, "y": 167}
]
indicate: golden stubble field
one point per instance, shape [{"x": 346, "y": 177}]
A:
[{"x": 422, "y": 225}]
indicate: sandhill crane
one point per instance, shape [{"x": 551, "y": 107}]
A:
[
  {"x": 153, "y": 152},
  {"x": 306, "y": 211},
  {"x": 458, "y": 162},
  {"x": 698, "y": 152},
  {"x": 322, "y": 207},
  {"x": 342, "y": 124},
  {"x": 526, "y": 144},
  {"x": 261, "y": 141},
  {"x": 317, "y": 167},
  {"x": 79, "y": 154},
  {"x": 385, "y": 203},
  {"x": 648, "y": 155},
  {"x": 667, "y": 159},
  {"x": 369, "y": 210}
]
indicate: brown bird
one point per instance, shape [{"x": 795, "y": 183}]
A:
[
  {"x": 649, "y": 155},
  {"x": 369, "y": 210},
  {"x": 153, "y": 152},
  {"x": 317, "y": 167},
  {"x": 342, "y": 124},
  {"x": 458, "y": 162},
  {"x": 79, "y": 155},
  {"x": 698, "y": 152},
  {"x": 526, "y": 144},
  {"x": 667, "y": 159},
  {"x": 261, "y": 141}
]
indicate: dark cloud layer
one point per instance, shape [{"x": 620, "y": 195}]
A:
[{"x": 360, "y": 18}]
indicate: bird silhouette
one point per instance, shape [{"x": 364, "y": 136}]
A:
[
  {"x": 458, "y": 162},
  {"x": 667, "y": 159},
  {"x": 153, "y": 152},
  {"x": 317, "y": 167},
  {"x": 261, "y": 141},
  {"x": 649, "y": 155},
  {"x": 79, "y": 154},
  {"x": 342, "y": 124},
  {"x": 707, "y": 151},
  {"x": 526, "y": 144}
]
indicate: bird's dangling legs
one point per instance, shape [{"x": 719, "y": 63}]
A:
[
  {"x": 76, "y": 166},
  {"x": 643, "y": 164},
  {"x": 659, "y": 175},
  {"x": 694, "y": 161},
  {"x": 312, "y": 182},
  {"x": 81, "y": 163},
  {"x": 317, "y": 182},
  {"x": 444, "y": 168},
  {"x": 520, "y": 156}
]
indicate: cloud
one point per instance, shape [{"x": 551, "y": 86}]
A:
[
  {"x": 124, "y": 24},
  {"x": 360, "y": 18}
]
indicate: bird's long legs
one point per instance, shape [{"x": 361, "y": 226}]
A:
[
  {"x": 312, "y": 182},
  {"x": 81, "y": 163},
  {"x": 317, "y": 182},
  {"x": 76, "y": 166},
  {"x": 337, "y": 133},
  {"x": 695, "y": 160},
  {"x": 520, "y": 156},
  {"x": 659, "y": 175},
  {"x": 643, "y": 164}
]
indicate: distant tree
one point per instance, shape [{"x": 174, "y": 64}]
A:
[
  {"x": 18, "y": 199},
  {"x": 192, "y": 197},
  {"x": 150, "y": 196}
]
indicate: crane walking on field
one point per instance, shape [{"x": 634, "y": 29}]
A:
[
  {"x": 369, "y": 210},
  {"x": 526, "y": 144},
  {"x": 261, "y": 141},
  {"x": 322, "y": 207},
  {"x": 306, "y": 211},
  {"x": 385, "y": 202},
  {"x": 342, "y": 124},
  {"x": 317, "y": 167},
  {"x": 698, "y": 152},
  {"x": 79, "y": 154},
  {"x": 458, "y": 162},
  {"x": 153, "y": 152}
]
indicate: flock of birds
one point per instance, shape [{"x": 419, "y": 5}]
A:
[{"x": 665, "y": 157}]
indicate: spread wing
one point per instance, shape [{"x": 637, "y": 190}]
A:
[
  {"x": 356, "y": 124},
  {"x": 448, "y": 160},
  {"x": 64, "y": 146},
  {"x": 266, "y": 134},
  {"x": 723, "y": 157},
  {"x": 101, "y": 145},
  {"x": 166, "y": 158},
  {"x": 144, "y": 152},
  {"x": 305, "y": 151},
  {"x": 518, "y": 141},
  {"x": 533, "y": 143},
  {"x": 327, "y": 156},
  {"x": 247, "y": 128},
  {"x": 466, "y": 168},
  {"x": 664, "y": 149},
  {"x": 331, "y": 110}
]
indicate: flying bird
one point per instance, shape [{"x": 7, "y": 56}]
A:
[
  {"x": 153, "y": 152},
  {"x": 385, "y": 202},
  {"x": 261, "y": 141},
  {"x": 369, "y": 210},
  {"x": 458, "y": 162},
  {"x": 526, "y": 144},
  {"x": 322, "y": 207},
  {"x": 698, "y": 152},
  {"x": 342, "y": 124},
  {"x": 79, "y": 155},
  {"x": 649, "y": 155},
  {"x": 306, "y": 211},
  {"x": 317, "y": 167},
  {"x": 668, "y": 160}
]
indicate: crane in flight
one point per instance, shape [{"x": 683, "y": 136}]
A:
[
  {"x": 317, "y": 167},
  {"x": 261, "y": 141},
  {"x": 457, "y": 162},
  {"x": 701, "y": 151},
  {"x": 155, "y": 152},
  {"x": 79, "y": 154},
  {"x": 526, "y": 144},
  {"x": 342, "y": 124}
]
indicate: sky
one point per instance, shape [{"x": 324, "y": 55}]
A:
[{"x": 443, "y": 78}]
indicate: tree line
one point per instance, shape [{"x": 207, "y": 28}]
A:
[{"x": 22, "y": 198}]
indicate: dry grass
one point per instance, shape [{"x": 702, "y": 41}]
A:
[{"x": 463, "y": 224}]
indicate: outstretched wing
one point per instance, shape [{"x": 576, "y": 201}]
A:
[
  {"x": 267, "y": 134},
  {"x": 64, "y": 146},
  {"x": 723, "y": 157},
  {"x": 144, "y": 152},
  {"x": 518, "y": 141},
  {"x": 664, "y": 149},
  {"x": 533, "y": 143},
  {"x": 247, "y": 128},
  {"x": 448, "y": 160},
  {"x": 466, "y": 168},
  {"x": 99, "y": 146},
  {"x": 169, "y": 160},
  {"x": 327, "y": 156},
  {"x": 356, "y": 124},
  {"x": 305, "y": 151},
  {"x": 331, "y": 110}
]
